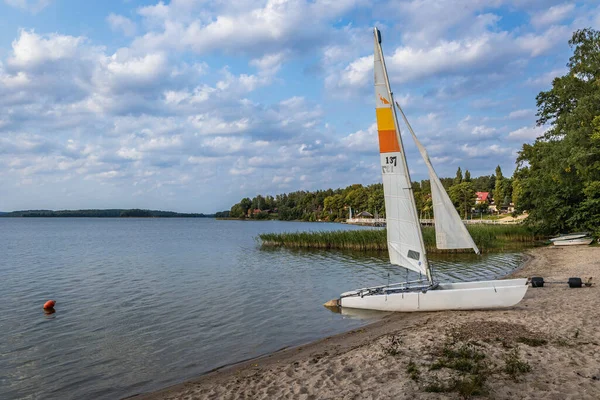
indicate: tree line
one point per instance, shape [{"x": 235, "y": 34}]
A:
[
  {"x": 556, "y": 180},
  {"x": 334, "y": 204},
  {"x": 109, "y": 213}
]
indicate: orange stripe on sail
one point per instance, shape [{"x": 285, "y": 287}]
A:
[{"x": 388, "y": 141}]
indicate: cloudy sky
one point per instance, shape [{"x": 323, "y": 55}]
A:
[{"x": 189, "y": 105}]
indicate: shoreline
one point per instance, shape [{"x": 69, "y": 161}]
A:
[{"x": 355, "y": 363}]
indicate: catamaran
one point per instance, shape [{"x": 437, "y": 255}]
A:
[{"x": 404, "y": 237}]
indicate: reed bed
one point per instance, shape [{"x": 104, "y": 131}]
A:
[{"x": 489, "y": 238}]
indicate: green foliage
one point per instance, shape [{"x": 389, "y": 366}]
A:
[
  {"x": 467, "y": 176},
  {"x": 470, "y": 371},
  {"x": 463, "y": 196},
  {"x": 558, "y": 175},
  {"x": 498, "y": 192},
  {"x": 413, "y": 371},
  {"x": 334, "y": 204},
  {"x": 136, "y": 213},
  {"x": 459, "y": 176},
  {"x": 514, "y": 366}
]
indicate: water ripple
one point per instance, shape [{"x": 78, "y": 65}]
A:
[{"x": 146, "y": 303}]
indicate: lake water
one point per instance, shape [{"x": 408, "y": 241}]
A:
[{"x": 146, "y": 303}]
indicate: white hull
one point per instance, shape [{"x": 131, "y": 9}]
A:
[
  {"x": 569, "y": 237},
  {"x": 573, "y": 242},
  {"x": 447, "y": 296}
]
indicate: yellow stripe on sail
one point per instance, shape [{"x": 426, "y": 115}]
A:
[{"x": 385, "y": 119}]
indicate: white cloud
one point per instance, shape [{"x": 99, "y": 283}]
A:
[
  {"x": 518, "y": 114},
  {"x": 464, "y": 57},
  {"x": 483, "y": 131},
  {"x": 545, "y": 79},
  {"x": 553, "y": 14},
  {"x": 362, "y": 140},
  {"x": 119, "y": 23},
  {"x": 269, "y": 63},
  {"x": 31, "y": 50},
  {"x": 539, "y": 44},
  {"x": 272, "y": 27},
  {"x": 527, "y": 133},
  {"x": 485, "y": 151},
  {"x": 207, "y": 124},
  {"x": 33, "y": 6},
  {"x": 417, "y": 17},
  {"x": 123, "y": 71}
]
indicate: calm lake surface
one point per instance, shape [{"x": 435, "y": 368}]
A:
[{"x": 146, "y": 303}]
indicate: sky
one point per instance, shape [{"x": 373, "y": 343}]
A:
[{"x": 190, "y": 105}]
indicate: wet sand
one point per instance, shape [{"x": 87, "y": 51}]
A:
[{"x": 555, "y": 330}]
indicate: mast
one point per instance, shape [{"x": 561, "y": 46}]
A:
[{"x": 377, "y": 34}]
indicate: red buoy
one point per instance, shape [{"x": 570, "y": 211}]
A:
[{"x": 49, "y": 304}]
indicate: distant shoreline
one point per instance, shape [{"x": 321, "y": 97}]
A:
[{"x": 102, "y": 213}]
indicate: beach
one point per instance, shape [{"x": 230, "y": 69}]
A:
[{"x": 545, "y": 347}]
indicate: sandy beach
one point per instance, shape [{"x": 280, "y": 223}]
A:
[{"x": 548, "y": 346}]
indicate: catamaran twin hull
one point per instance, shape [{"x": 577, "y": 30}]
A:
[{"x": 447, "y": 296}]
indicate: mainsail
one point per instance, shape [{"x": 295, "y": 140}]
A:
[
  {"x": 405, "y": 240},
  {"x": 450, "y": 232}
]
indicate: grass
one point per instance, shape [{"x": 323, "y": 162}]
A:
[
  {"x": 464, "y": 366},
  {"x": 470, "y": 371},
  {"x": 465, "y": 358},
  {"x": 413, "y": 371},
  {"x": 489, "y": 238},
  {"x": 514, "y": 366}
]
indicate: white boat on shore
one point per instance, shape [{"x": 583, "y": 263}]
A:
[
  {"x": 405, "y": 239},
  {"x": 574, "y": 242},
  {"x": 570, "y": 236}
]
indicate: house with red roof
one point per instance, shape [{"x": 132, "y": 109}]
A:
[{"x": 483, "y": 197}]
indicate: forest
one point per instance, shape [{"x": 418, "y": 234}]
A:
[
  {"x": 556, "y": 180},
  {"x": 334, "y": 204}
]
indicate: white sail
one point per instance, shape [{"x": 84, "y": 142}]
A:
[
  {"x": 450, "y": 232},
  {"x": 405, "y": 241}
]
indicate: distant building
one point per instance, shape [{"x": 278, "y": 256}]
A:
[{"x": 483, "y": 197}]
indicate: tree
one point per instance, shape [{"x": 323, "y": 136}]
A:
[
  {"x": 485, "y": 183},
  {"x": 498, "y": 193},
  {"x": 236, "y": 211},
  {"x": 459, "y": 176},
  {"x": 463, "y": 196},
  {"x": 245, "y": 205},
  {"x": 559, "y": 173},
  {"x": 467, "y": 176},
  {"x": 482, "y": 207},
  {"x": 376, "y": 201},
  {"x": 357, "y": 198}
]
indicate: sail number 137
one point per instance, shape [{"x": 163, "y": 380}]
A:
[{"x": 390, "y": 163}]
